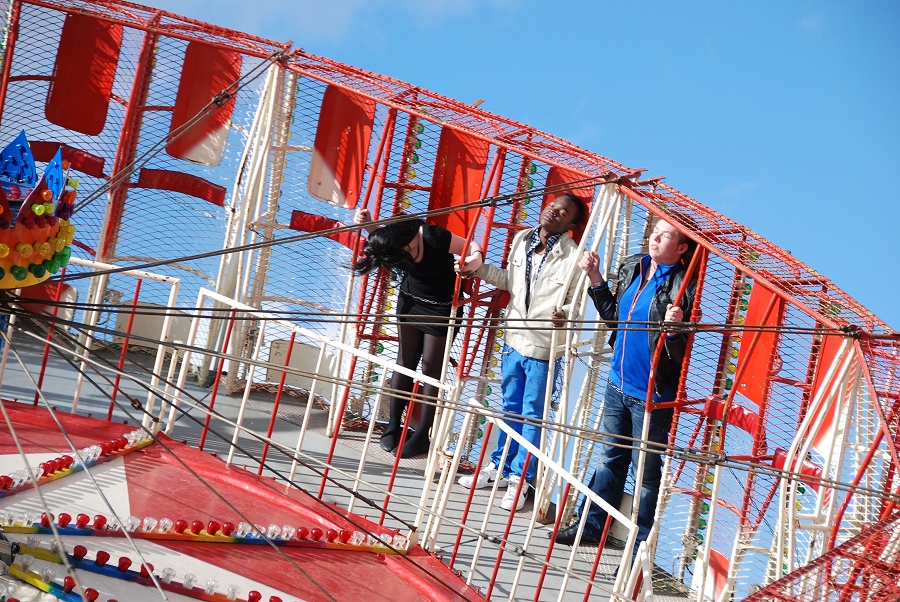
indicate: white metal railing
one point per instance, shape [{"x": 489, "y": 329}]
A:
[
  {"x": 92, "y": 316},
  {"x": 493, "y": 532}
]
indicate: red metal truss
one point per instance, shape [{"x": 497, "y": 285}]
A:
[{"x": 863, "y": 568}]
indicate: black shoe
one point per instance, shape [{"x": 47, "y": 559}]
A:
[
  {"x": 566, "y": 537},
  {"x": 413, "y": 447},
  {"x": 389, "y": 440}
]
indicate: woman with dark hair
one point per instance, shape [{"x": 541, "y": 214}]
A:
[{"x": 424, "y": 254}]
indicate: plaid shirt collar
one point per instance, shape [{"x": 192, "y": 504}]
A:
[{"x": 535, "y": 241}]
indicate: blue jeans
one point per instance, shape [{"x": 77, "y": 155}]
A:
[
  {"x": 523, "y": 385},
  {"x": 624, "y": 415}
]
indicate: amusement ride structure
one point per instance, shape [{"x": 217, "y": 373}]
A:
[{"x": 192, "y": 379}]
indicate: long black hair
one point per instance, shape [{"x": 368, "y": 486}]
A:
[{"x": 385, "y": 246}]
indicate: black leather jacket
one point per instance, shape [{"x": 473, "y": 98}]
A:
[{"x": 668, "y": 369}]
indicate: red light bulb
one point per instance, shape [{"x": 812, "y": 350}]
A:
[
  {"x": 181, "y": 525},
  {"x": 64, "y": 519},
  {"x": 79, "y": 552},
  {"x": 124, "y": 563},
  {"x": 102, "y": 558},
  {"x": 145, "y": 571}
]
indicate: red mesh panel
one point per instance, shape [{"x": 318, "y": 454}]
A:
[
  {"x": 78, "y": 98},
  {"x": 79, "y": 160},
  {"x": 758, "y": 347},
  {"x": 307, "y": 222},
  {"x": 184, "y": 183},
  {"x": 458, "y": 174},
  {"x": 808, "y": 468},
  {"x": 206, "y": 71},
  {"x": 829, "y": 350},
  {"x": 738, "y": 416},
  {"x": 342, "y": 144}
]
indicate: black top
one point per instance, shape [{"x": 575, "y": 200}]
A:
[{"x": 433, "y": 278}]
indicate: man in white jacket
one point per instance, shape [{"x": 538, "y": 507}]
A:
[{"x": 541, "y": 260}]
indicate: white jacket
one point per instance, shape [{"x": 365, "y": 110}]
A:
[{"x": 532, "y": 338}]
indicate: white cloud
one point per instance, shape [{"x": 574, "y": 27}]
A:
[
  {"x": 739, "y": 190},
  {"x": 813, "y": 22}
]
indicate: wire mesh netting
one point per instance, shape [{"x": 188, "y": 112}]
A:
[{"x": 786, "y": 416}]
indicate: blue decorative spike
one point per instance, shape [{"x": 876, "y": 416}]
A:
[
  {"x": 17, "y": 164},
  {"x": 54, "y": 176}
]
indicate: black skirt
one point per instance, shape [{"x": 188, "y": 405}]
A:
[{"x": 430, "y": 318}]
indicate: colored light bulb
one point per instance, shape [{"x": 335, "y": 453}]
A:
[
  {"x": 24, "y": 249},
  {"x": 243, "y": 529}
]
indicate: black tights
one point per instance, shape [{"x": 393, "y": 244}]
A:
[{"x": 415, "y": 345}]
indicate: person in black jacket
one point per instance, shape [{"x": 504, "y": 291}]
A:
[{"x": 646, "y": 290}]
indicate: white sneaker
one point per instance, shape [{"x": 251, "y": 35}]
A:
[
  {"x": 509, "y": 498},
  {"x": 486, "y": 477}
]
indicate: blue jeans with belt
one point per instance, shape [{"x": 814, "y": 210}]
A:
[
  {"x": 524, "y": 381},
  {"x": 623, "y": 415}
]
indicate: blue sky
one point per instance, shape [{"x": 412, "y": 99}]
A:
[{"x": 781, "y": 115}]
